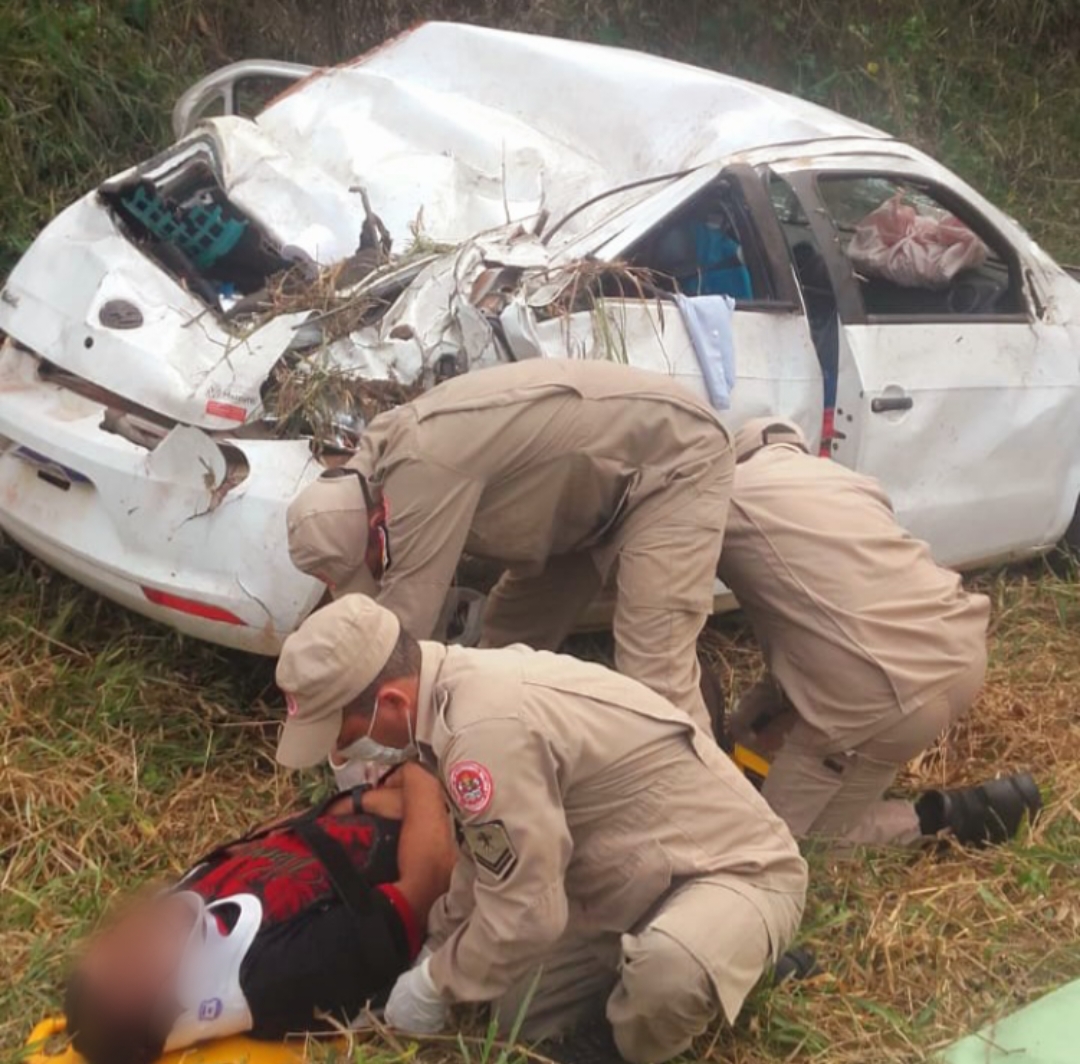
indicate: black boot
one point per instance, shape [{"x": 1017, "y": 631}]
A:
[
  {"x": 797, "y": 963},
  {"x": 989, "y": 813}
]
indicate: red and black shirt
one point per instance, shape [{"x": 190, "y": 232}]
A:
[{"x": 313, "y": 953}]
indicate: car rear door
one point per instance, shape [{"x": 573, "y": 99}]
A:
[{"x": 957, "y": 395}]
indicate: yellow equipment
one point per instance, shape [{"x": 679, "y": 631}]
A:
[{"x": 49, "y": 1045}]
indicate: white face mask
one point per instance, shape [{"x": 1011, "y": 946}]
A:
[{"x": 367, "y": 749}]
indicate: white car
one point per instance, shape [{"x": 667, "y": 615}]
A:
[{"x": 187, "y": 345}]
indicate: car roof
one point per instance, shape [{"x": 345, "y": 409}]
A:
[{"x": 553, "y": 121}]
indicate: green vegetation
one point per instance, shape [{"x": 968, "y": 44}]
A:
[
  {"x": 86, "y": 90},
  {"x": 125, "y": 750},
  {"x": 990, "y": 87}
]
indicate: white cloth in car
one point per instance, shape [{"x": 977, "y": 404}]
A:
[{"x": 708, "y": 322}]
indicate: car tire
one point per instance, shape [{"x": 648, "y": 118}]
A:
[{"x": 1070, "y": 541}]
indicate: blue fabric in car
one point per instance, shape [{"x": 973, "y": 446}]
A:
[
  {"x": 720, "y": 271},
  {"x": 709, "y": 325}
]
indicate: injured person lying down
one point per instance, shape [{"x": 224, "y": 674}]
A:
[{"x": 293, "y": 928}]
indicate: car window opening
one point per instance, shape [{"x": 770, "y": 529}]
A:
[
  {"x": 912, "y": 255},
  {"x": 708, "y": 247},
  {"x": 182, "y": 218}
]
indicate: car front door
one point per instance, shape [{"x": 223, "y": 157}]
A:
[
  {"x": 955, "y": 391},
  {"x": 680, "y": 239}
]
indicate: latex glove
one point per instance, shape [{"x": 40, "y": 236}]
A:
[{"x": 415, "y": 1005}]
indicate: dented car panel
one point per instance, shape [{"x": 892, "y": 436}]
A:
[
  {"x": 191, "y": 343},
  {"x": 161, "y": 532}
]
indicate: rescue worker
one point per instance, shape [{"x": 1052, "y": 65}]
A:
[
  {"x": 562, "y": 471},
  {"x": 607, "y": 843},
  {"x": 872, "y": 650}
]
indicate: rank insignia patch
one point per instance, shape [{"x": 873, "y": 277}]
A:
[{"x": 491, "y": 847}]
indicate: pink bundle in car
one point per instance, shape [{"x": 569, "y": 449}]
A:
[{"x": 901, "y": 244}]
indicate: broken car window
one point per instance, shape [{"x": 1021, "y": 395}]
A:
[
  {"x": 704, "y": 248},
  {"x": 912, "y": 255},
  {"x": 180, "y": 215}
]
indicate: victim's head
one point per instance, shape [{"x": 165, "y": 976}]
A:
[{"x": 120, "y": 998}]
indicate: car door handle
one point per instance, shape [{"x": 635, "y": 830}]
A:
[{"x": 887, "y": 403}]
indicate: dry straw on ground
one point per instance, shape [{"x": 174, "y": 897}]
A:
[{"x": 125, "y": 751}]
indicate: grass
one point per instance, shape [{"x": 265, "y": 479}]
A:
[
  {"x": 87, "y": 89},
  {"x": 127, "y": 750}
]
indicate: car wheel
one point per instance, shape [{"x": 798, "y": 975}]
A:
[{"x": 1071, "y": 540}]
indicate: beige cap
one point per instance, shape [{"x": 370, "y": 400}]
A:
[
  {"x": 327, "y": 525},
  {"x": 759, "y": 432},
  {"x": 329, "y": 660}
]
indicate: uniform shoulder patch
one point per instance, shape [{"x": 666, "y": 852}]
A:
[
  {"x": 471, "y": 786},
  {"x": 491, "y": 847}
]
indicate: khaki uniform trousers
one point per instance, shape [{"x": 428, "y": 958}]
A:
[
  {"x": 665, "y": 568},
  {"x": 839, "y": 795},
  {"x": 701, "y": 951}
]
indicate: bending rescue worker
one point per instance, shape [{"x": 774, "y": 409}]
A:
[
  {"x": 606, "y": 841},
  {"x": 565, "y": 472},
  {"x": 872, "y": 650}
]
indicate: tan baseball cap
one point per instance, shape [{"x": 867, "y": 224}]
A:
[
  {"x": 759, "y": 432},
  {"x": 327, "y": 525},
  {"x": 329, "y": 660}
]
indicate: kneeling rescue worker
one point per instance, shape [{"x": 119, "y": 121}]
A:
[
  {"x": 563, "y": 471},
  {"x": 606, "y": 842},
  {"x": 872, "y": 650}
]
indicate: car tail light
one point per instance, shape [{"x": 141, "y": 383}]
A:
[{"x": 195, "y": 608}]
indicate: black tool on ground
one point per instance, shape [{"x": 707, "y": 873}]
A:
[
  {"x": 986, "y": 814},
  {"x": 591, "y": 1043},
  {"x": 797, "y": 963}
]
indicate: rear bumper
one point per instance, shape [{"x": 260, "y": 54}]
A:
[{"x": 97, "y": 508}]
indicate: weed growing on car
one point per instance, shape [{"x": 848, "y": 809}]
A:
[
  {"x": 127, "y": 750},
  {"x": 313, "y": 398}
]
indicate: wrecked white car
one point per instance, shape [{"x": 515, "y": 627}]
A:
[{"x": 187, "y": 345}]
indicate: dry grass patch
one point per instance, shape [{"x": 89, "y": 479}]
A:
[{"x": 125, "y": 751}]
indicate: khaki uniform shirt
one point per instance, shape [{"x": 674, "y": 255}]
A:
[
  {"x": 857, "y": 622},
  {"x": 581, "y": 798},
  {"x": 522, "y": 462}
]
